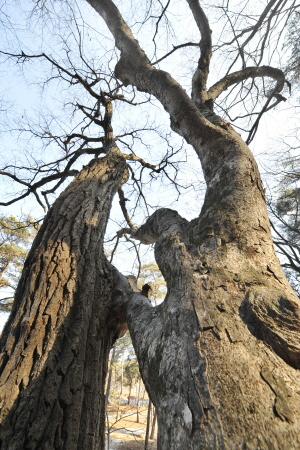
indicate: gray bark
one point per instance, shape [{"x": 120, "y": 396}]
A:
[
  {"x": 220, "y": 356},
  {"x": 55, "y": 346}
]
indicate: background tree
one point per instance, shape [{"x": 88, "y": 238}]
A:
[
  {"x": 292, "y": 42},
  {"x": 285, "y": 223},
  {"x": 132, "y": 375},
  {"x": 16, "y": 237},
  {"x": 150, "y": 273},
  {"x": 284, "y": 202},
  {"x": 220, "y": 356}
]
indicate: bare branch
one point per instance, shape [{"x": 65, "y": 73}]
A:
[
  {"x": 175, "y": 47},
  {"x": 159, "y": 19},
  {"x": 33, "y": 187},
  {"x": 133, "y": 157},
  {"x": 124, "y": 209},
  {"x": 134, "y": 68},
  {"x": 262, "y": 17},
  {"x": 249, "y": 72},
  {"x": 201, "y": 74},
  {"x": 137, "y": 253}
]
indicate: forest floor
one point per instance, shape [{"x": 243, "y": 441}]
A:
[{"x": 127, "y": 433}]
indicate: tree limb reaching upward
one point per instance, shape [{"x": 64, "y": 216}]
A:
[
  {"x": 128, "y": 68},
  {"x": 199, "y": 81},
  {"x": 246, "y": 73},
  {"x": 220, "y": 357}
]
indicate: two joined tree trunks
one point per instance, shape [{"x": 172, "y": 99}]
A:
[
  {"x": 54, "y": 349},
  {"x": 220, "y": 357}
]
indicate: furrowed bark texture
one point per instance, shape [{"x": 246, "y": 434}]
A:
[
  {"x": 220, "y": 356},
  {"x": 55, "y": 347}
]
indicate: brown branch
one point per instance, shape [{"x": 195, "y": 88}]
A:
[
  {"x": 134, "y": 68},
  {"x": 242, "y": 75},
  {"x": 175, "y": 47},
  {"x": 73, "y": 76},
  {"x": 132, "y": 157},
  {"x": 122, "y": 202},
  {"x": 261, "y": 19},
  {"x": 201, "y": 74},
  {"x": 159, "y": 19},
  {"x": 32, "y": 188},
  {"x": 137, "y": 254},
  {"x": 106, "y": 122},
  {"x": 114, "y": 249},
  {"x": 92, "y": 117},
  {"x": 252, "y": 29},
  {"x": 256, "y": 123},
  {"x": 14, "y": 177},
  {"x": 86, "y": 139},
  {"x": 162, "y": 221}
]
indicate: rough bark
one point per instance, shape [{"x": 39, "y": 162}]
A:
[
  {"x": 55, "y": 346},
  {"x": 220, "y": 356}
]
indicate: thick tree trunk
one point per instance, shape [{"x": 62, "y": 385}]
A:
[
  {"x": 220, "y": 356},
  {"x": 55, "y": 346}
]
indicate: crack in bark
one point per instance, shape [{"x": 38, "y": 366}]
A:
[{"x": 278, "y": 386}]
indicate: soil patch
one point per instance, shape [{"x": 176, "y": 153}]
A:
[{"x": 126, "y": 433}]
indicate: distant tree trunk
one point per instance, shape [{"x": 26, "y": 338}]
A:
[
  {"x": 129, "y": 394},
  {"x": 110, "y": 375},
  {"x": 138, "y": 402},
  {"x": 146, "y": 445},
  {"x": 55, "y": 346},
  {"x": 144, "y": 394},
  {"x": 153, "y": 423},
  {"x": 121, "y": 388}
]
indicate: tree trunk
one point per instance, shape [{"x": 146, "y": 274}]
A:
[
  {"x": 153, "y": 424},
  {"x": 146, "y": 445},
  {"x": 220, "y": 356},
  {"x": 121, "y": 389},
  {"x": 110, "y": 375},
  {"x": 138, "y": 402},
  {"x": 129, "y": 394},
  {"x": 55, "y": 346}
]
